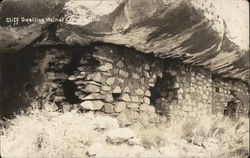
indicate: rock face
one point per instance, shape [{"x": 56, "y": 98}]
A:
[{"x": 192, "y": 31}]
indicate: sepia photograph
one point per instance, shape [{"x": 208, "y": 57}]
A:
[{"x": 124, "y": 78}]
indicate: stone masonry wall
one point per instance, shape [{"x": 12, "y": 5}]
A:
[
  {"x": 194, "y": 93},
  {"x": 124, "y": 83},
  {"x": 223, "y": 90}
]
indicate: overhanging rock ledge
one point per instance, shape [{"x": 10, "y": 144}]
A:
[{"x": 190, "y": 31}]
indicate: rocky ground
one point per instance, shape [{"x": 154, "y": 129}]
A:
[{"x": 73, "y": 134}]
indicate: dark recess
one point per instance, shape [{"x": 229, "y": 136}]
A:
[{"x": 69, "y": 92}]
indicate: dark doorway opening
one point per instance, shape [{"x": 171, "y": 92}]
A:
[
  {"x": 74, "y": 63},
  {"x": 163, "y": 93},
  {"x": 17, "y": 83},
  {"x": 230, "y": 110},
  {"x": 70, "y": 88},
  {"x": 155, "y": 94}
]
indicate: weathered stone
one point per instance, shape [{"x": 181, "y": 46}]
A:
[
  {"x": 142, "y": 80},
  {"x": 83, "y": 73},
  {"x": 153, "y": 118},
  {"x": 78, "y": 93},
  {"x": 115, "y": 71},
  {"x": 139, "y": 92},
  {"x": 146, "y": 100},
  {"x": 146, "y": 74},
  {"x": 120, "y": 64},
  {"x": 119, "y": 135},
  {"x": 51, "y": 75},
  {"x": 133, "y": 105},
  {"x": 150, "y": 109},
  {"x": 151, "y": 84},
  {"x": 187, "y": 96},
  {"x": 143, "y": 107},
  {"x": 94, "y": 149},
  {"x": 135, "y": 99},
  {"x": 135, "y": 76},
  {"x": 120, "y": 80},
  {"x": 80, "y": 82},
  {"x": 59, "y": 98},
  {"x": 147, "y": 93},
  {"x": 117, "y": 89},
  {"x": 124, "y": 119},
  {"x": 176, "y": 85},
  {"x": 193, "y": 79},
  {"x": 180, "y": 97},
  {"x": 82, "y": 96},
  {"x": 71, "y": 78},
  {"x": 92, "y": 105},
  {"x": 97, "y": 77},
  {"x": 81, "y": 76},
  {"x": 108, "y": 97},
  {"x": 163, "y": 119},
  {"x": 52, "y": 84},
  {"x": 93, "y": 96},
  {"x": 151, "y": 80},
  {"x": 126, "y": 97},
  {"x": 61, "y": 76},
  {"x": 134, "y": 141},
  {"x": 141, "y": 100},
  {"x": 50, "y": 107},
  {"x": 60, "y": 91},
  {"x": 106, "y": 88},
  {"x": 67, "y": 107},
  {"x": 180, "y": 90},
  {"x": 92, "y": 88},
  {"x": 192, "y": 89},
  {"x": 81, "y": 68},
  {"x": 119, "y": 106},
  {"x": 123, "y": 73},
  {"x": 105, "y": 67},
  {"x": 144, "y": 118},
  {"x": 146, "y": 67},
  {"x": 204, "y": 96},
  {"x": 106, "y": 73},
  {"x": 101, "y": 57},
  {"x": 159, "y": 74},
  {"x": 110, "y": 81},
  {"x": 126, "y": 89},
  {"x": 91, "y": 82},
  {"x": 108, "y": 108}
]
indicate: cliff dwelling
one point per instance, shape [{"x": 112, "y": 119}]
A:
[
  {"x": 124, "y": 78},
  {"x": 117, "y": 81}
]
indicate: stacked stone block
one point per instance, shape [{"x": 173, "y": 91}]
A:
[
  {"x": 193, "y": 87},
  {"x": 222, "y": 94}
]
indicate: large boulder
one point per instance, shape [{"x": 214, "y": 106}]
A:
[
  {"x": 119, "y": 135},
  {"x": 92, "y": 105},
  {"x": 94, "y": 149}
]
